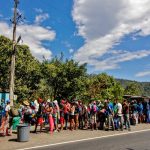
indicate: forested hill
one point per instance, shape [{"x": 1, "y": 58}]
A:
[{"x": 144, "y": 86}]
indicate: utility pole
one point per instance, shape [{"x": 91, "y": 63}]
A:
[{"x": 13, "y": 55}]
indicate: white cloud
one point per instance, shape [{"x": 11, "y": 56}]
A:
[
  {"x": 113, "y": 59},
  {"x": 38, "y": 10},
  {"x": 142, "y": 74},
  {"x": 41, "y": 17},
  {"x": 71, "y": 50},
  {"x": 33, "y": 36},
  {"x": 103, "y": 24}
]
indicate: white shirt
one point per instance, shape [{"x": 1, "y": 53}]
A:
[
  {"x": 119, "y": 109},
  {"x": 7, "y": 108},
  {"x": 36, "y": 106}
]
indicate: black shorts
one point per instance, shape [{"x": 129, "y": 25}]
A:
[{"x": 71, "y": 117}]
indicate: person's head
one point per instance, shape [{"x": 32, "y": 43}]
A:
[
  {"x": 105, "y": 105},
  {"x": 116, "y": 101},
  {"x": 76, "y": 103},
  {"x": 125, "y": 101},
  {"x": 8, "y": 102},
  {"x": 40, "y": 100},
  {"x": 79, "y": 102},
  {"x": 94, "y": 102}
]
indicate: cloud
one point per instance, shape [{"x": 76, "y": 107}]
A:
[
  {"x": 113, "y": 58},
  {"x": 41, "y": 17},
  {"x": 71, "y": 50},
  {"x": 33, "y": 36},
  {"x": 143, "y": 74},
  {"x": 103, "y": 24},
  {"x": 38, "y": 10}
]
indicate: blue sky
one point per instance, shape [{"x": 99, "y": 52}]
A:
[{"x": 111, "y": 37}]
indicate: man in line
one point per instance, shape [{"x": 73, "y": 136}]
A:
[{"x": 126, "y": 115}]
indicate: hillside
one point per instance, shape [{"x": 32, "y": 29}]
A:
[{"x": 145, "y": 86}]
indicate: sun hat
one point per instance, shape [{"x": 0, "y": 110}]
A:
[
  {"x": 26, "y": 103},
  {"x": 48, "y": 100},
  {"x": 55, "y": 102}
]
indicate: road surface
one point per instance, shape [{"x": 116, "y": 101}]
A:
[{"x": 135, "y": 141}]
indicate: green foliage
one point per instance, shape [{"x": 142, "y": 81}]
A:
[
  {"x": 5, "y": 50},
  {"x": 103, "y": 86},
  {"x": 65, "y": 77},
  {"x": 58, "y": 78},
  {"x": 27, "y": 72},
  {"x": 133, "y": 89},
  {"x": 144, "y": 86}
]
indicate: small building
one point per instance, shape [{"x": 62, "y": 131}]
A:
[
  {"x": 4, "y": 96},
  {"x": 138, "y": 98}
]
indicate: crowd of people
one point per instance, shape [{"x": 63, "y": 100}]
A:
[{"x": 74, "y": 115}]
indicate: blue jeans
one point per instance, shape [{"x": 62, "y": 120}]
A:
[{"x": 127, "y": 121}]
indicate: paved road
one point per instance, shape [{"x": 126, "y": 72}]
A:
[{"x": 136, "y": 141}]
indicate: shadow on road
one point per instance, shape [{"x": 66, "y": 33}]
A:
[{"x": 12, "y": 140}]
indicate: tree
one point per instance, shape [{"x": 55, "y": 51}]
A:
[
  {"x": 133, "y": 89},
  {"x": 27, "y": 74},
  {"x": 65, "y": 77},
  {"x": 103, "y": 86},
  {"x": 5, "y": 49}
]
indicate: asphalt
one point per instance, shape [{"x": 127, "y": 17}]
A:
[
  {"x": 135, "y": 141},
  {"x": 60, "y": 139}
]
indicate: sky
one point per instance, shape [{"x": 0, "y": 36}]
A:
[{"x": 111, "y": 36}]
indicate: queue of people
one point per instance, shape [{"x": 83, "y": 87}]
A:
[{"x": 74, "y": 115}]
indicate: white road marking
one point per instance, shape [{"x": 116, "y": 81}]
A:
[{"x": 81, "y": 140}]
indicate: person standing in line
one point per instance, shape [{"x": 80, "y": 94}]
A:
[
  {"x": 76, "y": 115},
  {"x": 39, "y": 115},
  {"x": 72, "y": 110},
  {"x": 85, "y": 116},
  {"x": 6, "y": 120},
  {"x": 93, "y": 112},
  {"x": 135, "y": 110},
  {"x": 110, "y": 114},
  {"x": 125, "y": 110},
  {"x": 49, "y": 111},
  {"x": 119, "y": 114},
  {"x": 56, "y": 114},
  {"x": 148, "y": 112},
  {"x": 62, "y": 120},
  {"x": 140, "y": 112},
  {"x": 66, "y": 113}
]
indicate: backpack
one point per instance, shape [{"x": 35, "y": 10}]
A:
[
  {"x": 94, "y": 108},
  {"x": 14, "y": 112},
  {"x": 140, "y": 108},
  {"x": 80, "y": 108},
  {"x": 135, "y": 107}
]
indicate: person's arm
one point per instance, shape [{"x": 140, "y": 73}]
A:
[{"x": 7, "y": 114}]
